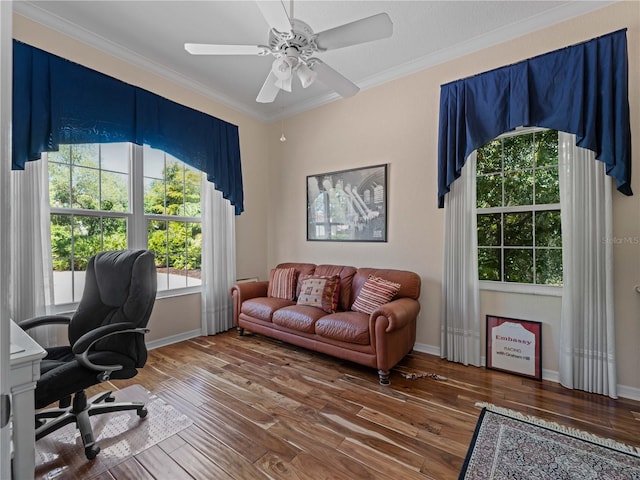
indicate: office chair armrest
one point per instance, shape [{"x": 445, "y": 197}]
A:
[
  {"x": 30, "y": 323},
  {"x": 83, "y": 345}
]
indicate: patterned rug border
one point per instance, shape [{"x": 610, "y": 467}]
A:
[{"x": 556, "y": 427}]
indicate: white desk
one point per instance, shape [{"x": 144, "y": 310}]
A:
[{"x": 25, "y": 372}]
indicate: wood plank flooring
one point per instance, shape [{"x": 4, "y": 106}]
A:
[{"x": 262, "y": 409}]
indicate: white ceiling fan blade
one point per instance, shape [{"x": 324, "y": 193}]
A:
[
  {"x": 275, "y": 14},
  {"x": 364, "y": 30},
  {"x": 210, "y": 49},
  {"x": 334, "y": 80},
  {"x": 269, "y": 90}
]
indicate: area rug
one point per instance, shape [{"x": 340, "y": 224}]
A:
[
  {"x": 509, "y": 445},
  {"x": 120, "y": 435}
]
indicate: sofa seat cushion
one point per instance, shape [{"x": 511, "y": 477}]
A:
[
  {"x": 350, "y": 327},
  {"x": 298, "y": 317},
  {"x": 262, "y": 308}
]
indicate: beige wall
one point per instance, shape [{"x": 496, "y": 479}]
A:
[
  {"x": 397, "y": 123},
  {"x": 176, "y": 315}
]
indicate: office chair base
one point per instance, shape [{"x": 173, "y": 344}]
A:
[{"x": 79, "y": 413}]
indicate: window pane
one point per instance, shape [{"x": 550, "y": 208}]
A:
[
  {"x": 114, "y": 233},
  {"x": 194, "y": 254},
  {"x": 489, "y": 191},
  {"x": 154, "y": 196},
  {"x": 518, "y": 152},
  {"x": 547, "y": 186},
  {"x": 518, "y": 188},
  {"x": 86, "y": 155},
  {"x": 489, "y": 264},
  {"x": 518, "y": 265},
  {"x": 153, "y": 162},
  {"x": 549, "y": 266},
  {"x": 174, "y": 175},
  {"x": 546, "y": 148},
  {"x": 193, "y": 180},
  {"x": 115, "y": 192},
  {"x": 490, "y": 158},
  {"x": 489, "y": 229},
  {"x": 548, "y": 230},
  {"x": 518, "y": 229},
  {"x": 61, "y": 258},
  {"x": 59, "y": 185},
  {"x": 86, "y": 193},
  {"x": 87, "y": 236},
  {"x": 63, "y": 155},
  {"x": 157, "y": 243},
  {"x": 115, "y": 157}
]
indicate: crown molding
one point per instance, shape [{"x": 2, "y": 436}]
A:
[
  {"x": 75, "y": 31},
  {"x": 495, "y": 37}
]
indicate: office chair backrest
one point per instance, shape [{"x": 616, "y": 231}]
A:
[{"x": 119, "y": 287}]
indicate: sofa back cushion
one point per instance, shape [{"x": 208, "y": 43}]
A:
[
  {"x": 409, "y": 281},
  {"x": 301, "y": 269},
  {"x": 346, "y": 274}
]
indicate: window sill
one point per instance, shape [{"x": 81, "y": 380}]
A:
[
  {"x": 70, "y": 308},
  {"x": 527, "y": 289}
]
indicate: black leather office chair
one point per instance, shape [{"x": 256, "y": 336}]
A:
[{"x": 106, "y": 336}]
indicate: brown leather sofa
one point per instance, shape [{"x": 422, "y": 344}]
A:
[{"x": 379, "y": 340}]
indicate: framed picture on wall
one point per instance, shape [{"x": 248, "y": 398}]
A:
[
  {"x": 514, "y": 346},
  {"x": 348, "y": 206}
]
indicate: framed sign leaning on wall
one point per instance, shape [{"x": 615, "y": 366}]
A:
[
  {"x": 348, "y": 206},
  {"x": 514, "y": 346}
]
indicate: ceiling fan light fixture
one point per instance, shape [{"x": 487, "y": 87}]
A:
[
  {"x": 306, "y": 75},
  {"x": 281, "y": 68},
  {"x": 284, "y": 83}
]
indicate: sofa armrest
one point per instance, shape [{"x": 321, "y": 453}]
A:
[
  {"x": 244, "y": 291},
  {"x": 248, "y": 290},
  {"x": 399, "y": 313}
]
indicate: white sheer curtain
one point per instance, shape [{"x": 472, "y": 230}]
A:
[
  {"x": 587, "y": 336},
  {"x": 460, "y": 324},
  {"x": 31, "y": 282},
  {"x": 218, "y": 261}
]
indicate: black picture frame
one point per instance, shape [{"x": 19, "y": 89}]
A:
[
  {"x": 348, "y": 205},
  {"x": 514, "y": 346}
]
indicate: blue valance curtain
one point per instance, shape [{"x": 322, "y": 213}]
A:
[
  {"x": 56, "y": 101},
  {"x": 581, "y": 89}
]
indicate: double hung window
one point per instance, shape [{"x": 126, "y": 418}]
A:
[
  {"x": 119, "y": 195},
  {"x": 518, "y": 209}
]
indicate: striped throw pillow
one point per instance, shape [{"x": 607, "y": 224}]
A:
[
  {"x": 282, "y": 283},
  {"x": 375, "y": 292}
]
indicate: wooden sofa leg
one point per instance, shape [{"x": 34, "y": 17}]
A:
[
  {"x": 240, "y": 331},
  {"x": 383, "y": 375}
]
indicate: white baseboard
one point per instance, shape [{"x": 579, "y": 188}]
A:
[
  {"x": 632, "y": 393},
  {"x": 161, "y": 342},
  {"x": 629, "y": 392}
]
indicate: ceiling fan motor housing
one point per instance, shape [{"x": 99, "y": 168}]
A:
[{"x": 300, "y": 38}]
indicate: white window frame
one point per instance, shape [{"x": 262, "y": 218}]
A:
[
  {"x": 137, "y": 231},
  {"x": 516, "y": 287}
]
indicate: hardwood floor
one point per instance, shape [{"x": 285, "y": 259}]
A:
[{"x": 264, "y": 409}]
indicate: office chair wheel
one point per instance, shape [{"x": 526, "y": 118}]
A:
[
  {"x": 142, "y": 412},
  {"x": 91, "y": 452}
]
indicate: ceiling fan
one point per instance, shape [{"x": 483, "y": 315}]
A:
[{"x": 293, "y": 43}]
